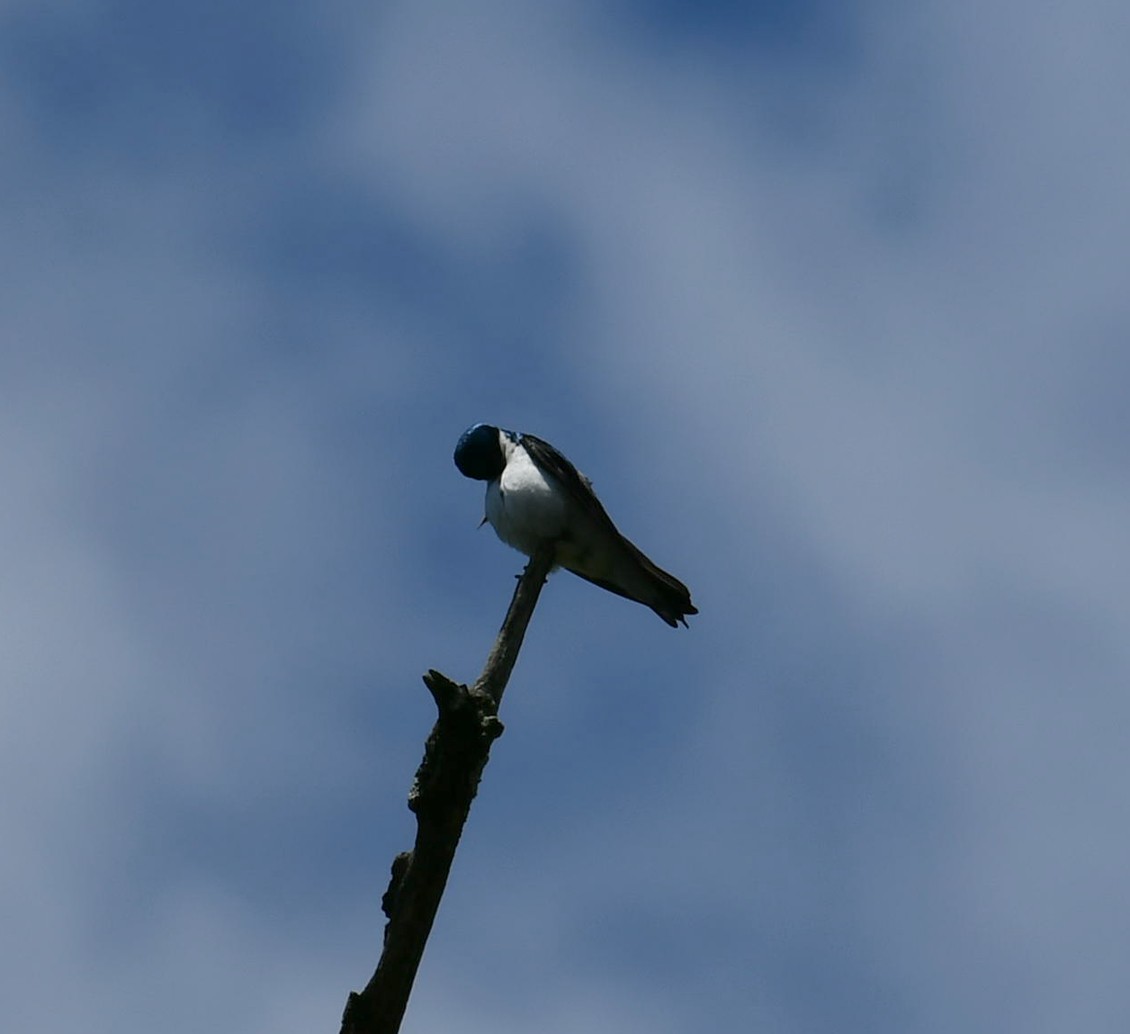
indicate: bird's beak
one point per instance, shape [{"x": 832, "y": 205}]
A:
[{"x": 482, "y": 522}]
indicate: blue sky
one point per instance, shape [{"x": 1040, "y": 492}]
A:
[{"x": 831, "y": 306}]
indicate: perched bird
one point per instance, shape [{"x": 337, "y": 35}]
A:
[{"x": 534, "y": 494}]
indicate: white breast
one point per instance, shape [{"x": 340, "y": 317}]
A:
[{"x": 524, "y": 506}]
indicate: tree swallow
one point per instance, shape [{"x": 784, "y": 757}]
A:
[{"x": 534, "y": 494}]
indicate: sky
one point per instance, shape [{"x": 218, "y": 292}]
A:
[{"x": 829, "y": 301}]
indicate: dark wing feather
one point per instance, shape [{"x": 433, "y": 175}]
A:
[
  {"x": 678, "y": 597},
  {"x": 575, "y": 483}
]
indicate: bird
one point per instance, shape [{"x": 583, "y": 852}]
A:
[{"x": 535, "y": 494}]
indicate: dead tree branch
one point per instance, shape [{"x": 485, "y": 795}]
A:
[{"x": 446, "y": 782}]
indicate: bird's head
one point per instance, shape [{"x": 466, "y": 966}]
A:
[{"x": 478, "y": 453}]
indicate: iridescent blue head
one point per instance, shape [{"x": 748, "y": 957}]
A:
[{"x": 478, "y": 454}]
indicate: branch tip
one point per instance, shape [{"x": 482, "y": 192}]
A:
[{"x": 445, "y": 692}]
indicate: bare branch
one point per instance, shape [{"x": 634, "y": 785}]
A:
[{"x": 445, "y": 785}]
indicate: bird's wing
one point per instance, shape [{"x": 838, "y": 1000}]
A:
[
  {"x": 674, "y": 592},
  {"x": 580, "y": 491},
  {"x": 571, "y": 479}
]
